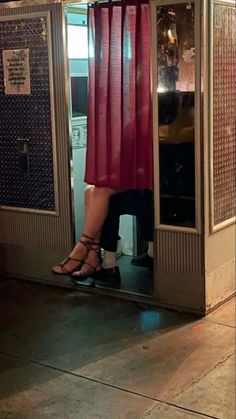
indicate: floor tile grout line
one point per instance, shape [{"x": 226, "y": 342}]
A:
[
  {"x": 220, "y": 324},
  {"x": 106, "y": 384},
  {"x": 196, "y": 381}
]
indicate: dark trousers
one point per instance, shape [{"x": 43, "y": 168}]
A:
[{"x": 133, "y": 202}]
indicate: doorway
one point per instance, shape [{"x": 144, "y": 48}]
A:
[{"x": 133, "y": 260}]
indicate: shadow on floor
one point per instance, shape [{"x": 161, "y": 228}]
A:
[
  {"x": 48, "y": 323},
  {"x": 68, "y": 354}
]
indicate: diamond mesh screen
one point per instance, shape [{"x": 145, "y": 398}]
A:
[
  {"x": 224, "y": 113},
  {"x": 27, "y": 180}
]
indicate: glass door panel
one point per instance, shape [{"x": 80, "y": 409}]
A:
[{"x": 175, "y": 28}]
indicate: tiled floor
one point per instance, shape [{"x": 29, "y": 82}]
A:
[{"x": 65, "y": 354}]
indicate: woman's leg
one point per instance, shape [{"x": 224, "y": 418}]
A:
[
  {"x": 97, "y": 206},
  {"x": 96, "y": 209}
]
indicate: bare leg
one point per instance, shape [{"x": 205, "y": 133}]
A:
[
  {"x": 96, "y": 209},
  {"x": 97, "y": 205}
]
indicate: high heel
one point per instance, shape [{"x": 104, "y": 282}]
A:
[
  {"x": 61, "y": 268},
  {"x": 93, "y": 269}
]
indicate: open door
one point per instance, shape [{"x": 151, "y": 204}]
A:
[
  {"x": 35, "y": 199},
  {"x": 135, "y": 207}
]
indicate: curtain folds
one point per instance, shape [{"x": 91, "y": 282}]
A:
[{"x": 119, "y": 150}]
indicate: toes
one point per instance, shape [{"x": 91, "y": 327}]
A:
[
  {"x": 57, "y": 269},
  {"x": 77, "y": 274},
  {"x": 82, "y": 273}
]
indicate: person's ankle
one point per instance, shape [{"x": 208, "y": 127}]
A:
[
  {"x": 109, "y": 260},
  {"x": 108, "y": 265},
  {"x": 150, "y": 251}
]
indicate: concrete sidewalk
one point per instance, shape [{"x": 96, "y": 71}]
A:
[{"x": 71, "y": 355}]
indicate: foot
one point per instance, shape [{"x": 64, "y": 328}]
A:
[
  {"x": 68, "y": 266},
  {"x": 144, "y": 261},
  {"x": 91, "y": 264},
  {"x": 75, "y": 259}
]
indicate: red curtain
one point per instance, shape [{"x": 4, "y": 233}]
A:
[{"x": 119, "y": 151}]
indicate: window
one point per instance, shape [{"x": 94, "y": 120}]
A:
[
  {"x": 79, "y": 96},
  {"x": 77, "y": 42}
]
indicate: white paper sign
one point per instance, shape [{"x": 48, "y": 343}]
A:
[{"x": 16, "y": 71}]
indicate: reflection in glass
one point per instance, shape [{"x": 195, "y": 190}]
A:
[
  {"x": 176, "y": 86},
  {"x": 79, "y": 95}
]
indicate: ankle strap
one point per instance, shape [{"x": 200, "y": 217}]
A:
[
  {"x": 87, "y": 237},
  {"x": 92, "y": 240}
]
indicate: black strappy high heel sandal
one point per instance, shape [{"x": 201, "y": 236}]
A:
[
  {"x": 93, "y": 269},
  {"x": 61, "y": 268}
]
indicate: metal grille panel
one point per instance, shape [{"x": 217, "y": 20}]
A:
[
  {"x": 179, "y": 252},
  {"x": 27, "y": 117},
  {"x": 224, "y": 113},
  {"x": 45, "y": 230}
]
